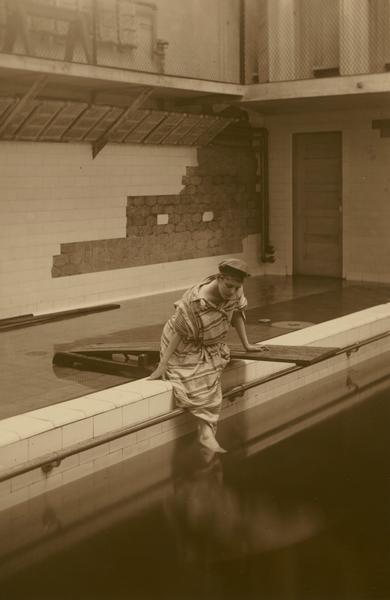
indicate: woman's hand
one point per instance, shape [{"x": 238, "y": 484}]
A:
[
  {"x": 256, "y": 348},
  {"x": 159, "y": 372}
]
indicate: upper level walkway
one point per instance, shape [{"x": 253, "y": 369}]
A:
[
  {"x": 29, "y": 381},
  {"x": 267, "y": 54}
]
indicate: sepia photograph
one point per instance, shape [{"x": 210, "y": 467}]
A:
[{"x": 194, "y": 299}]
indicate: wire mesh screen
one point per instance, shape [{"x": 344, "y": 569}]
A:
[
  {"x": 189, "y": 38},
  {"x": 302, "y": 39}
]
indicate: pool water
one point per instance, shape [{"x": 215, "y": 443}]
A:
[{"x": 308, "y": 518}]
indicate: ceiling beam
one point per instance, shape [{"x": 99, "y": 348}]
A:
[
  {"x": 29, "y": 95},
  {"x": 137, "y": 102},
  {"x": 207, "y": 99}
]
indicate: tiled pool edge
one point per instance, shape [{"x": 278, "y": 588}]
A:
[{"x": 40, "y": 432}]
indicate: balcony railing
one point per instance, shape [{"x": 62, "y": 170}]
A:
[
  {"x": 303, "y": 39},
  {"x": 185, "y": 38},
  {"x": 234, "y": 41}
]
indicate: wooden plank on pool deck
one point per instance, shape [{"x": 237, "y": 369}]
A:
[
  {"x": 300, "y": 355},
  {"x": 30, "y": 319}
]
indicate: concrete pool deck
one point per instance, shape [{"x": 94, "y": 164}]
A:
[
  {"x": 28, "y": 380},
  {"x": 76, "y": 437}
]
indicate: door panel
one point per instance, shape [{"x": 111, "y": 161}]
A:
[{"x": 317, "y": 193}]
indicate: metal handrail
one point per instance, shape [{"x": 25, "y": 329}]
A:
[{"x": 53, "y": 459}]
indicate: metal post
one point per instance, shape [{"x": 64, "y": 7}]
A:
[
  {"x": 242, "y": 42},
  {"x": 94, "y": 32}
]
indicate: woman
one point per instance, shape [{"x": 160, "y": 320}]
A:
[{"x": 193, "y": 349}]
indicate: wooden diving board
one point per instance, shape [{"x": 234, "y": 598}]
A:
[
  {"x": 141, "y": 358},
  {"x": 300, "y": 355}
]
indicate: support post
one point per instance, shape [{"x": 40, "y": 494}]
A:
[
  {"x": 32, "y": 92},
  {"x": 102, "y": 141},
  {"x": 260, "y": 147}
]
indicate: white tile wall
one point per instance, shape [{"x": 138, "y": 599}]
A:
[
  {"x": 77, "y": 432},
  {"x": 24, "y": 426},
  {"x": 55, "y": 193},
  {"x": 14, "y": 454},
  {"x": 108, "y": 421},
  {"x": 39, "y": 445},
  {"x": 366, "y": 190}
]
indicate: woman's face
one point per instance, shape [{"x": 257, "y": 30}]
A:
[{"x": 228, "y": 286}]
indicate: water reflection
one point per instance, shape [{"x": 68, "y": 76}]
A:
[
  {"x": 213, "y": 520},
  {"x": 305, "y": 519},
  {"x": 51, "y": 522}
]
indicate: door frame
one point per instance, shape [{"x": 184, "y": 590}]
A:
[{"x": 295, "y": 137}]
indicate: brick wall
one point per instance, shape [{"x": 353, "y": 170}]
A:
[
  {"x": 52, "y": 195},
  {"x": 366, "y": 190},
  {"x": 212, "y": 215}
]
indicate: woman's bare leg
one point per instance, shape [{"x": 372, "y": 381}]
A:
[{"x": 206, "y": 436}]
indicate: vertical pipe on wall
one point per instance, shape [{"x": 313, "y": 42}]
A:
[
  {"x": 242, "y": 46},
  {"x": 94, "y": 32},
  {"x": 260, "y": 147}
]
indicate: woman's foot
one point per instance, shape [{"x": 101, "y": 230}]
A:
[{"x": 207, "y": 438}]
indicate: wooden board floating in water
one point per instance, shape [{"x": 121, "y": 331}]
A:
[
  {"x": 134, "y": 347},
  {"x": 300, "y": 355},
  {"x": 145, "y": 354},
  {"x": 132, "y": 361}
]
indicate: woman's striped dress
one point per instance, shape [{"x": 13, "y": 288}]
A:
[{"x": 195, "y": 368}]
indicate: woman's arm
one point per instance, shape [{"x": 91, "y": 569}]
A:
[
  {"x": 239, "y": 325},
  {"x": 162, "y": 365}
]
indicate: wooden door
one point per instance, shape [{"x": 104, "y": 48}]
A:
[{"x": 317, "y": 197}]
